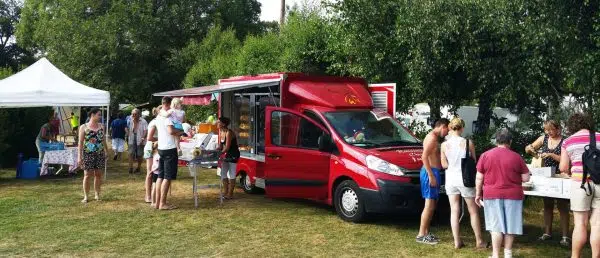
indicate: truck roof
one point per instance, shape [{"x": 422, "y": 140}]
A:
[{"x": 296, "y": 89}]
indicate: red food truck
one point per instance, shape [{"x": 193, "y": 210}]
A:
[{"x": 323, "y": 138}]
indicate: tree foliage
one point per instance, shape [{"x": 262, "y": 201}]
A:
[{"x": 125, "y": 46}]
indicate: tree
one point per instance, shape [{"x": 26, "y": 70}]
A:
[
  {"x": 364, "y": 42},
  {"x": 213, "y": 58},
  {"x": 259, "y": 54},
  {"x": 305, "y": 40},
  {"x": 11, "y": 54},
  {"x": 241, "y": 15},
  {"x": 125, "y": 46}
]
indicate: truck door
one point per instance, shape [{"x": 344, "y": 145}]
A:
[
  {"x": 384, "y": 97},
  {"x": 294, "y": 165}
]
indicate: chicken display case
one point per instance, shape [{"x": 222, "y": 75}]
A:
[{"x": 247, "y": 113}]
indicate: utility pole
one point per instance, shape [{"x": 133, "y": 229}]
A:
[{"x": 282, "y": 14}]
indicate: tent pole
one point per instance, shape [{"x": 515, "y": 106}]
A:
[{"x": 106, "y": 141}]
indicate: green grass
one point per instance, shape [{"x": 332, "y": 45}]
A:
[{"x": 45, "y": 218}]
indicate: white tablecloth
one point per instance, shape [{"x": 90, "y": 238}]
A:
[{"x": 68, "y": 156}]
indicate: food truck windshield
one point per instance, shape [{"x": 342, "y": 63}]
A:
[{"x": 366, "y": 129}]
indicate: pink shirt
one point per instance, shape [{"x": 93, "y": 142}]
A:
[
  {"x": 575, "y": 146},
  {"x": 502, "y": 169}
]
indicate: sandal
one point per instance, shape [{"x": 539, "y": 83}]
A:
[
  {"x": 168, "y": 207},
  {"x": 484, "y": 246},
  {"x": 545, "y": 237},
  {"x": 461, "y": 245}
]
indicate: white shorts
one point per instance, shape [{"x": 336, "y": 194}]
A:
[
  {"x": 465, "y": 192},
  {"x": 228, "y": 170},
  {"x": 580, "y": 200},
  {"x": 118, "y": 145}
]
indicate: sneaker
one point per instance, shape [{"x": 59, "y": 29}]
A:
[
  {"x": 545, "y": 237},
  {"x": 432, "y": 236},
  {"x": 566, "y": 242},
  {"x": 427, "y": 240}
]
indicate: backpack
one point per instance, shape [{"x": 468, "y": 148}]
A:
[
  {"x": 468, "y": 167},
  {"x": 591, "y": 163}
]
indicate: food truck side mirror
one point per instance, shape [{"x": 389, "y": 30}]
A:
[{"x": 325, "y": 144}]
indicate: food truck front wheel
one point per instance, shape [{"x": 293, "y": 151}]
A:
[
  {"x": 247, "y": 184},
  {"x": 348, "y": 202}
]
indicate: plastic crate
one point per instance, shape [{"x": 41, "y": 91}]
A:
[
  {"x": 46, "y": 146},
  {"x": 30, "y": 169}
]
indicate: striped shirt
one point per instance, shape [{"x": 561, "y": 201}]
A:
[{"x": 575, "y": 146}]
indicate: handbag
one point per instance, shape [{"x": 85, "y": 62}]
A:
[
  {"x": 468, "y": 167},
  {"x": 226, "y": 157}
]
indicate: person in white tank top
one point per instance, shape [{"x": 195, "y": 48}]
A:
[{"x": 452, "y": 152}]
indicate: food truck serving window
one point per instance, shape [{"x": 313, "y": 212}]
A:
[{"x": 289, "y": 130}]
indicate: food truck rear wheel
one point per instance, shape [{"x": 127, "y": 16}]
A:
[
  {"x": 247, "y": 185},
  {"x": 348, "y": 202}
]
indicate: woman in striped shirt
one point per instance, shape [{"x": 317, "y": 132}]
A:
[{"x": 585, "y": 208}]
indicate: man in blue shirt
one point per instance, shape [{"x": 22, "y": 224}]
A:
[{"x": 117, "y": 128}]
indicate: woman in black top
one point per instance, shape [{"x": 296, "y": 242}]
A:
[
  {"x": 550, "y": 145},
  {"x": 230, "y": 154}
]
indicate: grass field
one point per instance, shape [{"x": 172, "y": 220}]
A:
[{"x": 45, "y": 218}]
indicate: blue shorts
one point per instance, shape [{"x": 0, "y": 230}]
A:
[
  {"x": 503, "y": 216},
  {"x": 178, "y": 126},
  {"x": 427, "y": 191}
]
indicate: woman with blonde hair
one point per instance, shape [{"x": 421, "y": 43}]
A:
[
  {"x": 453, "y": 150},
  {"x": 550, "y": 144},
  {"x": 148, "y": 153}
]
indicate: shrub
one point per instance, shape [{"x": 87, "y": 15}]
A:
[{"x": 18, "y": 132}]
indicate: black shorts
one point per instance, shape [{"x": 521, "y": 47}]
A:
[
  {"x": 167, "y": 164},
  {"x": 154, "y": 177}
]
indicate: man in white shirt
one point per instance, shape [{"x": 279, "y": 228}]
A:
[
  {"x": 167, "y": 149},
  {"x": 136, "y": 130}
]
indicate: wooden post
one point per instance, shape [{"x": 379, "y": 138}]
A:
[{"x": 282, "y": 13}]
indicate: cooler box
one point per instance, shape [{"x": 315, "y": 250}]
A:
[
  {"x": 30, "y": 169},
  {"x": 547, "y": 185},
  {"x": 207, "y": 128},
  {"x": 543, "y": 171},
  {"x": 46, "y": 146}
]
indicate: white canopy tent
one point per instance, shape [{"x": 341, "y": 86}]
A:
[{"x": 42, "y": 85}]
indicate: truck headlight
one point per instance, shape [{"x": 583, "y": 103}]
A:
[{"x": 383, "y": 166}]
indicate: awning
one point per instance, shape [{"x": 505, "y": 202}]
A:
[{"x": 225, "y": 87}]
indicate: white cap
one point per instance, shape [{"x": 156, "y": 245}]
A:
[{"x": 186, "y": 127}]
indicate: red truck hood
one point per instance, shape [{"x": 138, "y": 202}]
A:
[{"x": 405, "y": 157}]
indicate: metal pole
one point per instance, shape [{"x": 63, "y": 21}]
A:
[{"x": 195, "y": 188}]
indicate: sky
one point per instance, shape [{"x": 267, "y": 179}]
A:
[{"x": 270, "y": 8}]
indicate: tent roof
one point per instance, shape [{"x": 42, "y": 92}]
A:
[{"x": 42, "y": 84}]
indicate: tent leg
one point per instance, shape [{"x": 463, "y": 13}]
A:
[{"x": 106, "y": 141}]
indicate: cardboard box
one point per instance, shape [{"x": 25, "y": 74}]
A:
[
  {"x": 544, "y": 171},
  {"x": 547, "y": 185}
]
